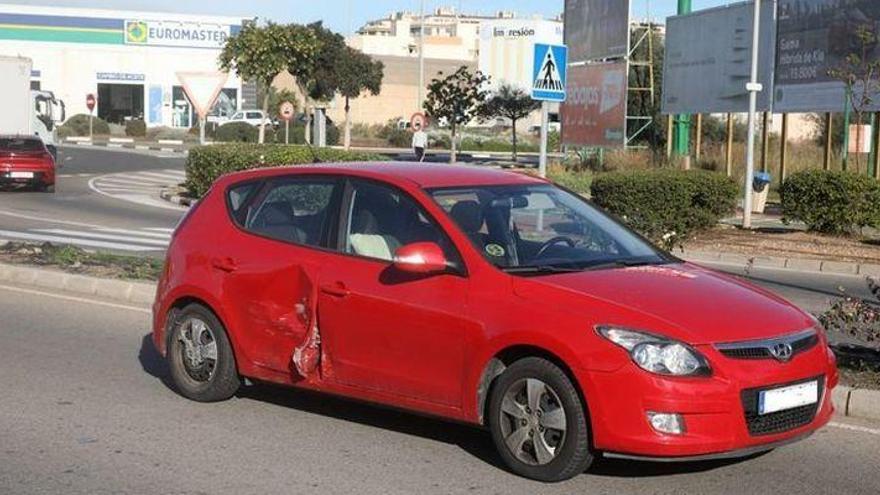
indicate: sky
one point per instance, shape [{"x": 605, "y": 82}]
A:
[{"x": 346, "y": 15}]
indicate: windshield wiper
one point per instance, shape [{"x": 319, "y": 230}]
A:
[
  {"x": 622, "y": 264},
  {"x": 541, "y": 269}
]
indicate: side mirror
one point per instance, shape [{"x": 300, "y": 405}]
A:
[{"x": 420, "y": 258}]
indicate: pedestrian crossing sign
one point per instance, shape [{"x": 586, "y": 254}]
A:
[{"x": 549, "y": 72}]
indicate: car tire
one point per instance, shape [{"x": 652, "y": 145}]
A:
[
  {"x": 48, "y": 189},
  {"x": 200, "y": 357},
  {"x": 567, "y": 442}
]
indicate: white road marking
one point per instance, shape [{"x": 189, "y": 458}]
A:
[
  {"x": 108, "y": 237},
  {"x": 158, "y": 235},
  {"x": 26, "y": 236},
  {"x": 141, "y": 188},
  {"x": 75, "y": 299},
  {"x": 160, "y": 229},
  {"x": 860, "y": 429},
  {"x": 49, "y": 220}
]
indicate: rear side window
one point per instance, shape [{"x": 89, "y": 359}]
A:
[
  {"x": 292, "y": 210},
  {"x": 254, "y": 115},
  {"x": 21, "y": 145}
]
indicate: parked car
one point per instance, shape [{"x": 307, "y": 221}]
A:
[
  {"x": 25, "y": 161},
  {"x": 487, "y": 297},
  {"x": 252, "y": 117}
]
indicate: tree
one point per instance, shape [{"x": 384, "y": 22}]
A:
[
  {"x": 860, "y": 72},
  {"x": 456, "y": 98},
  {"x": 511, "y": 103},
  {"x": 356, "y": 72},
  {"x": 260, "y": 53},
  {"x": 317, "y": 80}
]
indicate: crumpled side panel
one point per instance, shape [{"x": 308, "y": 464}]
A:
[{"x": 307, "y": 355}]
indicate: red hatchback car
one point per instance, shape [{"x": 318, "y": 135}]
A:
[
  {"x": 487, "y": 297},
  {"x": 25, "y": 161}
]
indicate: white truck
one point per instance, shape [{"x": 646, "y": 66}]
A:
[{"x": 25, "y": 111}]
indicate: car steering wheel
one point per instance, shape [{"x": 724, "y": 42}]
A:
[{"x": 556, "y": 240}]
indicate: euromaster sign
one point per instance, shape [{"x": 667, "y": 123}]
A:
[{"x": 172, "y": 33}]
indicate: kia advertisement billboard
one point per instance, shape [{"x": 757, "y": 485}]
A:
[
  {"x": 815, "y": 37},
  {"x": 594, "y": 112}
]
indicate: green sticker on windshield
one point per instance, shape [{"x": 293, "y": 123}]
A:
[{"x": 495, "y": 250}]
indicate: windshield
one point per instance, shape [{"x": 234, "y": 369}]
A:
[
  {"x": 542, "y": 229},
  {"x": 21, "y": 145}
]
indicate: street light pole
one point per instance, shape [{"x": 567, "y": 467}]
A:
[
  {"x": 753, "y": 88},
  {"x": 421, "y": 56}
]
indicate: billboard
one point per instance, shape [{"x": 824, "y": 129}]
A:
[
  {"x": 708, "y": 60},
  {"x": 507, "y": 49},
  {"x": 596, "y": 29},
  {"x": 594, "y": 112},
  {"x": 815, "y": 36},
  {"x": 176, "y": 33}
]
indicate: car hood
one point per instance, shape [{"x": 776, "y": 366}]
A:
[{"x": 680, "y": 300}]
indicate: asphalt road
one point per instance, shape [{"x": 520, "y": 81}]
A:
[{"x": 86, "y": 409}]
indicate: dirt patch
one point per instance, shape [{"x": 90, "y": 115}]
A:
[
  {"x": 76, "y": 260},
  {"x": 787, "y": 243}
]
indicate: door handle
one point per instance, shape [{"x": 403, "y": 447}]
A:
[
  {"x": 227, "y": 265},
  {"x": 336, "y": 290}
]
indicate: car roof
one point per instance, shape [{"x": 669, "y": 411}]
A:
[{"x": 423, "y": 175}]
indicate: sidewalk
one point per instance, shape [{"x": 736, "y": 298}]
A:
[{"x": 163, "y": 145}]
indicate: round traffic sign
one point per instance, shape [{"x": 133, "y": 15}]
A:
[
  {"x": 285, "y": 111},
  {"x": 90, "y": 101},
  {"x": 418, "y": 121}
]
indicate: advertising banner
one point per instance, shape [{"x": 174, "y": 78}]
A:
[
  {"x": 507, "y": 49},
  {"x": 708, "y": 60},
  {"x": 594, "y": 112},
  {"x": 175, "y": 33},
  {"x": 815, "y": 37},
  {"x": 596, "y": 29}
]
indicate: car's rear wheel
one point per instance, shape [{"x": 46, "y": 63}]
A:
[
  {"x": 48, "y": 189},
  {"x": 200, "y": 357},
  {"x": 538, "y": 421}
]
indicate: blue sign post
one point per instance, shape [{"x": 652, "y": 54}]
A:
[{"x": 548, "y": 85}]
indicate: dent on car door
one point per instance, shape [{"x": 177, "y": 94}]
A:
[
  {"x": 382, "y": 329},
  {"x": 272, "y": 264}
]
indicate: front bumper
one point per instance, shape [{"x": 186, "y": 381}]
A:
[{"x": 714, "y": 408}]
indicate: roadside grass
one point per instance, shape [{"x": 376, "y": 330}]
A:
[{"x": 77, "y": 260}]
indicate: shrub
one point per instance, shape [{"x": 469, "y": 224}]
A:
[
  {"x": 205, "y": 164},
  {"x": 78, "y": 125},
  {"x": 400, "y": 138},
  {"x": 831, "y": 202},
  {"x": 666, "y": 205},
  {"x": 577, "y": 181},
  {"x": 135, "y": 128},
  {"x": 239, "y": 132}
]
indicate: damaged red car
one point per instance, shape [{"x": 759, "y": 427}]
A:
[{"x": 487, "y": 297}]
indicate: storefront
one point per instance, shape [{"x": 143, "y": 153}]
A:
[{"x": 129, "y": 60}]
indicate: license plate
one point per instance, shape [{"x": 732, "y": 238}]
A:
[
  {"x": 21, "y": 175},
  {"x": 780, "y": 399}
]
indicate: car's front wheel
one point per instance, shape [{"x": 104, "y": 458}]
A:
[
  {"x": 538, "y": 421},
  {"x": 200, "y": 356}
]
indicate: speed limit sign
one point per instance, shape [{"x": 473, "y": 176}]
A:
[
  {"x": 418, "y": 121},
  {"x": 285, "y": 111}
]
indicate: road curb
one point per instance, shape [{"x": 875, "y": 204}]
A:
[
  {"x": 857, "y": 402},
  {"x": 796, "y": 264},
  {"x": 118, "y": 143},
  {"x": 141, "y": 293},
  {"x": 176, "y": 199}
]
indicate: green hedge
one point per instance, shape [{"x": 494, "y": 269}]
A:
[
  {"x": 831, "y": 202},
  {"x": 205, "y": 164},
  {"x": 135, "y": 128},
  {"x": 78, "y": 125},
  {"x": 666, "y": 205}
]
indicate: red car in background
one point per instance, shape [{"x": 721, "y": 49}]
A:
[
  {"x": 25, "y": 161},
  {"x": 487, "y": 297}
]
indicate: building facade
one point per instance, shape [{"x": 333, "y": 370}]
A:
[{"x": 129, "y": 60}]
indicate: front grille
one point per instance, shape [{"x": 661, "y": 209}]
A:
[
  {"x": 780, "y": 421},
  {"x": 761, "y": 349}
]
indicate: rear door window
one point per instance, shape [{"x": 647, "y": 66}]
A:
[{"x": 293, "y": 210}]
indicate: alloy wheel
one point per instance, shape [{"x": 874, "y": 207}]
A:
[{"x": 532, "y": 421}]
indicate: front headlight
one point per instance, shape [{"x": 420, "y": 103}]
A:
[{"x": 660, "y": 355}]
